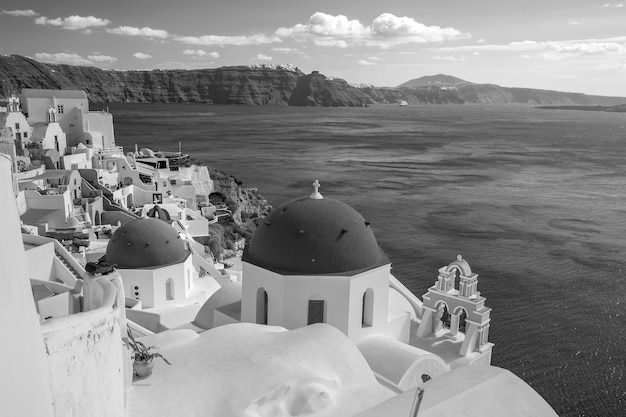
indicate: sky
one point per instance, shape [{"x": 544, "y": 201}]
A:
[{"x": 564, "y": 45}]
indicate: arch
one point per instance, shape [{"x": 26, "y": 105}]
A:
[
  {"x": 97, "y": 218},
  {"x": 461, "y": 314},
  {"x": 442, "y": 318},
  {"x": 129, "y": 201},
  {"x": 461, "y": 266},
  {"x": 316, "y": 310},
  {"x": 262, "y": 304},
  {"x": 367, "y": 310},
  {"x": 169, "y": 289}
]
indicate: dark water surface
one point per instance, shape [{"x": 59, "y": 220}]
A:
[{"x": 534, "y": 199}]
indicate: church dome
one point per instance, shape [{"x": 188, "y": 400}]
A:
[
  {"x": 314, "y": 236},
  {"x": 145, "y": 243}
]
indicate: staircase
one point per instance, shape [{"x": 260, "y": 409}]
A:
[{"x": 69, "y": 266}]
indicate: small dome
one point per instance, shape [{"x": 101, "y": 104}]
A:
[
  {"x": 314, "y": 236},
  {"x": 145, "y": 243}
]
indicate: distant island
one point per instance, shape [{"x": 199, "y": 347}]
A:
[
  {"x": 267, "y": 85},
  {"x": 621, "y": 108}
]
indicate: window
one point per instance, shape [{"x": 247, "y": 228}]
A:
[
  {"x": 60, "y": 109},
  {"x": 367, "y": 313},
  {"x": 25, "y": 135},
  {"x": 17, "y": 126},
  {"x": 316, "y": 312},
  {"x": 169, "y": 289},
  {"x": 261, "y": 306}
]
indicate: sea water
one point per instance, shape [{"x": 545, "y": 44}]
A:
[{"x": 534, "y": 200}]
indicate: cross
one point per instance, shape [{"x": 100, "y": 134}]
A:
[
  {"x": 316, "y": 186},
  {"x": 316, "y": 194}
]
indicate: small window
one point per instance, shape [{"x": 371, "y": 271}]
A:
[
  {"x": 25, "y": 135},
  {"x": 17, "y": 126},
  {"x": 169, "y": 289},
  {"x": 316, "y": 312}
]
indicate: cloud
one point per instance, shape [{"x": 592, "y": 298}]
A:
[
  {"x": 612, "y": 5},
  {"x": 385, "y": 31},
  {"x": 102, "y": 58},
  {"x": 264, "y": 57},
  {"x": 287, "y": 50},
  {"x": 610, "y": 67},
  {"x": 552, "y": 50},
  {"x": 218, "y": 40},
  {"x": 448, "y": 58},
  {"x": 26, "y": 13},
  {"x": 573, "y": 22},
  {"x": 200, "y": 53},
  {"x": 63, "y": 58},
  {"x": 365, "y": 62},
  {"x": 73, "y": 22},
  {"x": 145, "y": 32},
  {"x": 141, "y": 55}
]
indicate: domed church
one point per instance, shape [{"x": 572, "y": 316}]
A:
[
  {"x": 154, "y": 262},
  {"x": 316, "y": 260}
]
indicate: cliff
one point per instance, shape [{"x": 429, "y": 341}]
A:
[
  {"x": 316, "y": 89},
  {"x": 265, "y": 85},
  {"x": 262, "y": 85},
  {"x": 246, "y": 205}
]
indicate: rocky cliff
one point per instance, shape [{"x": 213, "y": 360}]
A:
[
  {"x": 265, "y": 85},
  {"x": 228, "y": 85},
  {"x": 316, "y": 89}
]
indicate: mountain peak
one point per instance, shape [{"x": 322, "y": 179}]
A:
[{"x": 439, "y": 80}]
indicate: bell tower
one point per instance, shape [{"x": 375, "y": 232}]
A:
[{"x": 457, "y": 313}]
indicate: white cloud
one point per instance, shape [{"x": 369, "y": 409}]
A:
[
  {"x": 612, "y": 5},
  {"x": 218, "y": 40},
  {"x": 73, "y": 22},
  {"x": 448, "y": 58},
  {"x": 101, "y": 58},
  {"x": 573, "y": 22},
  {"x": 385, "y": 31},
  {"x": 27, "y": 13},
  {"x": 145, "y": 32},
  {"x": 62, "y": 58},
  {"x": 287, "y": 50},
  {"x": 263, "y": 57},
  {"x": 200, "y": 53},
  {"x": 365, "y": 62},
  {"x": 141, "y": 55},
  {"x": 610, "y": 67},
  {"x": 552, "y": 50}
]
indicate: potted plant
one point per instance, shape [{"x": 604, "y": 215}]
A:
[{"x": 143, "y": 356}]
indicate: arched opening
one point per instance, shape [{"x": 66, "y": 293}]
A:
[
  {"x": 441, "y": 318},
  {"x": 261, "y": 306},
  {"x": 462, "y": 317},
  {"x": 457, "y": 279},
  {"x": 169, "y": 289},
  {"x": 367, "y": 312},
  {"x": 317, "y": 312},
  {"x": 129, "y": 201},
  {"x": 97, "y": 218}
]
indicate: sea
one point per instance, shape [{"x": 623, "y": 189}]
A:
[{"x": 534, "y": 200}]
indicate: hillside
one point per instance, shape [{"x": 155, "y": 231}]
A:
[
  {"x": 228, "y": 85},
  {"x": 439, "y": 80},
  {"x": 265, "y": 85},
  {"x": 494, "y": 94}
]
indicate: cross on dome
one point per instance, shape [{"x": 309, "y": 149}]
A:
[{"x": 316, "y": 194}]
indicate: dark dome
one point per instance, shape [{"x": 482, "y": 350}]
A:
[
  {"x": 314, "y": 237},
  {"x": 145, "y": 243}
]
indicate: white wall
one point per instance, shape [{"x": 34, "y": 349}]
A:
[
  {"x": 24, "y": 378},
  {"x": 89, "y": 365},
  {"x": 288, "y": 299}
]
